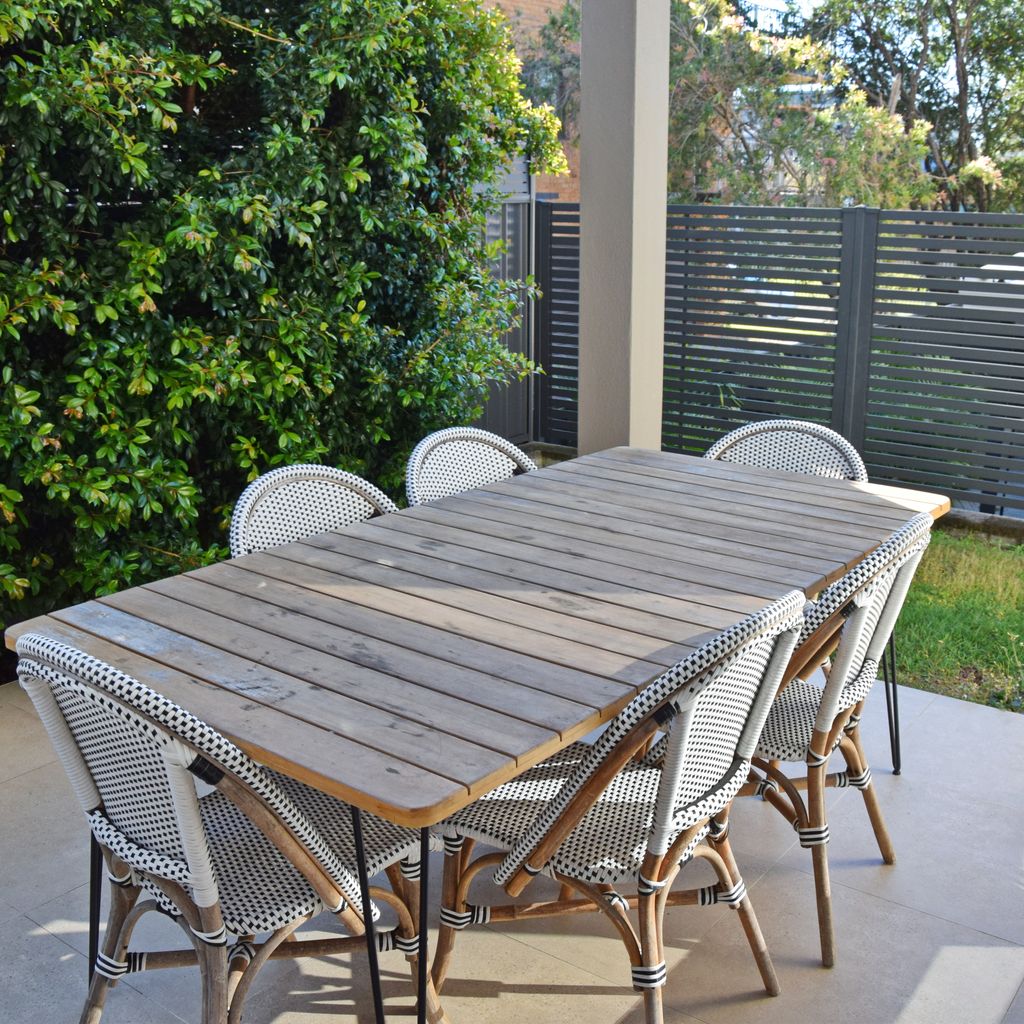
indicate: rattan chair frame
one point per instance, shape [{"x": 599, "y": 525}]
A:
[
  {"x": 429, "y": 475},
  {"x": 288, "y": 504},
  {"x": 681, "y": 703},
  {"x": 185, "y": 750},
  {"x": 853, "y": 619}
]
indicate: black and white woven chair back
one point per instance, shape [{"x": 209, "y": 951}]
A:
[
  {"x": 458, "y": 459},
  {"x": 712, "y": 707},
  {"x": 134, "y": 757},
  {"x": 871, "y": 595},
  {"x": 293, "y": 502},
  {"x": 795, "y": 446}
]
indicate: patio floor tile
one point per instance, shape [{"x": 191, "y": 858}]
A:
[
  {"x": 893, "y": 965},
  {"x": 24, "y": 744},
  {"x": 1015, "y": 1015},
  {"x": 955, "y": 858},
  {"x": 43, "y": 981},
  {"x": 44, "y": 844}
]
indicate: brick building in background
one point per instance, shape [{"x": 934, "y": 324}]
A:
[{"x": 529, "y": 16}]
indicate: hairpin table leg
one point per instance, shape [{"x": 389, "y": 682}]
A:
[
  {"x": 371, "y": 936},
  {"x": 95, "y": 893}
]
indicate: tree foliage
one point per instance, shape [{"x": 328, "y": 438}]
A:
[
  {"x": 954, "y": 63},
  {"x": 753, "y": 120},
  {"x": 232, "y": 236},
  {"x": 752, "y": 117}
]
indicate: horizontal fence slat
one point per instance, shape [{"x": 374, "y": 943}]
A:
[{"x": 752, "y": 330}]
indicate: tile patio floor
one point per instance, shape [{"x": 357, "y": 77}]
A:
[{"x": 937, "y": 939}]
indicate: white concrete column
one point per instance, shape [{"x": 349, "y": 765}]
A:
[{"x": 623, "y": 174}]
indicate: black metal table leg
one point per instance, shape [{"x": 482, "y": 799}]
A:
[
  {"x": 892, "y": 703},
  {"x": 421, "y": 986},
  {"x": 371, "y": 934},
  {"x": 95, "y": 893}
]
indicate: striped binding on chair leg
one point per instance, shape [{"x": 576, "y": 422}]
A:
[
  {"x": 712, "y": 894},
  {"x": 649, "y": 977},
  {"x": 242, "y": 950},
  {"x": 114, "y": 969},
  {"x": 764, "y": 786},
  {"x": 862, "y": 781},
  {"x": 812, "y": 835},
  {"x": 462, "y": 919},
  {"x": 125, "y": 881},
  {"x": 391, "y": 940},
  {"x": 618, "y": 901},
  {"x": 852, "y": 723},
  {"x": 216, "y": 938},
  {"x": 645, "y": 887}
]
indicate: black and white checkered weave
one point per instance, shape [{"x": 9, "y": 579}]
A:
[
  {"x": 721, "y": 692},
  {"x": 128, "y": 751},
  {"x": 795, "y": 446},
  {"x": 458, "y": 459},
  {"x": 293, "y": 502}
]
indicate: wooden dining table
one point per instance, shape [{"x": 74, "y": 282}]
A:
[{"x": 411, "y": 663}]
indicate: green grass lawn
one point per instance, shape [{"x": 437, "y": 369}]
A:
[{"x": 962, "y": 628}]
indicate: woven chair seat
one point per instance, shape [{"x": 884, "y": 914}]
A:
[
  {"x": 787, "y": 732},
  {"x": 608, "y": 844},
  {"x": 259, "y": 889}
]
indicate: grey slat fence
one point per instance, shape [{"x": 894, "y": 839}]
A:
[{"x": 902, "y": 330}]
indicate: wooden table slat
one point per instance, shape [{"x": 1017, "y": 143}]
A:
[
  {"x": 479, "y": 673},
  {"x": 147, "y": 622},
  {"x": 562, "y": 641},
  {"x": 736, "y": 480},
  {"x": 881, "y": 495},
  {"x": 382, "y": 550},
  {"x": 432, "y": 524},
  {"x": 753, "y": 526},
  {"x": 822, "y": 563},
  {"x": 706, "y": 493},
  {"x": 375, "y": 672},
  {"x": 720, "y": 589},
  {"x": 558, "y": 522},
  {"x": 556, "y": 581}
]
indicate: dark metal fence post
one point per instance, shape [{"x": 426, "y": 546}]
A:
[
  {"x": 854, "y": 315},
  {"x": 542, "y": 317}
]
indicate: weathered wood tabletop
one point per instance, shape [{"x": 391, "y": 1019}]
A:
[{"x": 410, "y": 663}]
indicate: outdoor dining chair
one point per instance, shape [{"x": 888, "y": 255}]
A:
[
  {"x": 458, "y": 459},
  {"x": 256, "y": 854},
  {"x": 293, "y": 502},
  {"x": 808, "y": 723},
  {"x": 799, "y": 446},
  {"x": 596, "y": 819}
]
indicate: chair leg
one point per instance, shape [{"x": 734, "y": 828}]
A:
[
  {"x": 819, "y": 858},
  {"x": 748, "y": 919},
  {"x": 213, "y": 968},
  {"x": 446, "y": 934},
  {"x": 122, "y": 900},
  {"x": 858, "y": 764},
  {"x": 652, "y": 959}
]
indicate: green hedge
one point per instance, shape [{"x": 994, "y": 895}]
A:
[{"x": 233, "y": 238}]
